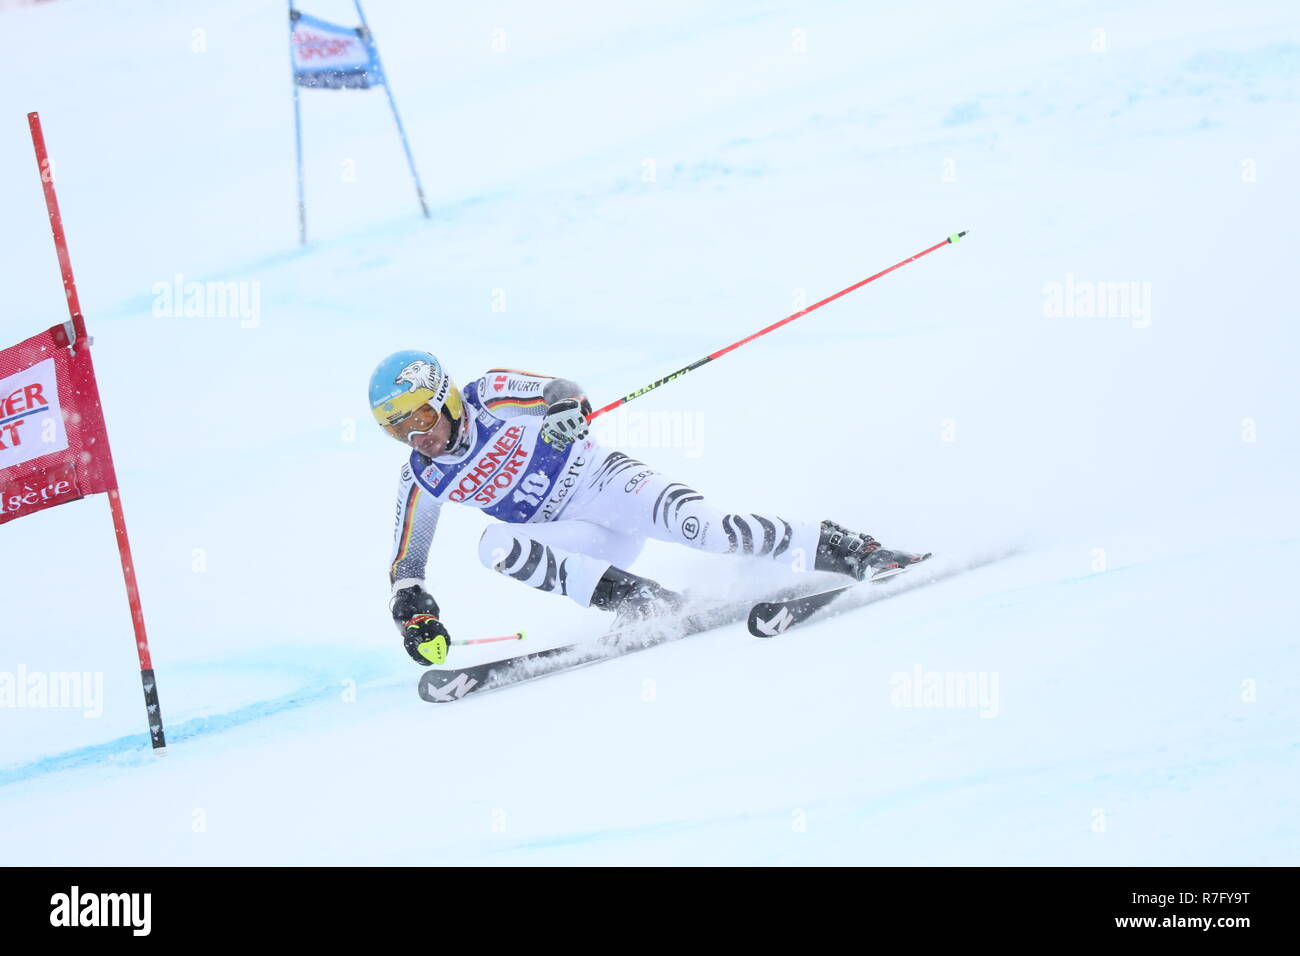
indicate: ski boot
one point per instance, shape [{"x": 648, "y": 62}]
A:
[
  {"x": 859, "y": 555},
  {"x": 634, "y": 599}
]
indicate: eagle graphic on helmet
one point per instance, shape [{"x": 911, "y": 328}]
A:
[{"x": 421, "y": 374}]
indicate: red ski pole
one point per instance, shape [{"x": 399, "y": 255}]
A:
[
  {"x": 775, "y": 325},
  {"x": 517, "y": 636}
]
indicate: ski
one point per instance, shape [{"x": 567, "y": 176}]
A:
[
  {"x": 766, "y": 619},
  {"x": 771, "y": 618},
  {"x": 446, "y": 685}
]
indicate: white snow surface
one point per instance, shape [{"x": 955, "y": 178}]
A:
[{"x": 641, "y": 184}]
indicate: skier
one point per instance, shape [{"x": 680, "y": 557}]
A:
[{"x": 574, "y": 514}]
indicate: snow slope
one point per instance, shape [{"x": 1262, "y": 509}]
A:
[{"x": 640, "y": 187}]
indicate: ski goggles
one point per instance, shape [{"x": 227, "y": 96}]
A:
[{"x": 421, "y": 420}]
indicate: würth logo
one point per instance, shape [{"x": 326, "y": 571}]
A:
[{"x": 103, "y": 909}]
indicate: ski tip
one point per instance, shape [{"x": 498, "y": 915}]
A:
[
  {"x": 769, "y": 619},
  {"x": 886, "y": 573},
  {"x": 899, "y": 567}
]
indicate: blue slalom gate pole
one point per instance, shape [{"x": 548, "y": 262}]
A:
[
  {"x": 401, "y": 131},
  {"x": 297, "y": 133}
]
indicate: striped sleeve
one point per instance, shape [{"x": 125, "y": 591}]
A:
[
  {"x": 417, "y": 519},
  {"x": 507, "y": 393}
]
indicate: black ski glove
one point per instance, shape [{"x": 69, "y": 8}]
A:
[{"x": 415, "y": 613}]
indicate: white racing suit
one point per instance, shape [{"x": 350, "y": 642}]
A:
[{"x": 567, "y": 516}]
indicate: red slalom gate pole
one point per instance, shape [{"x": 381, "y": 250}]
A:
[
  {"x": 775, "y": 325},
  {"x": 82, "y": 340},
  {"x": 56, "y": 226}
]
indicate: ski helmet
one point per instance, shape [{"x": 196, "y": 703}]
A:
[{"x": 410, "y": 391}]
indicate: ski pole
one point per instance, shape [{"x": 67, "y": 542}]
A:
[
  {"x": 775, "y": 325},
  {"x": 517, "y": 636}
]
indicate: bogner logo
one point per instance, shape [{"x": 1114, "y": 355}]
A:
[{"x": 495, "y": 471}]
